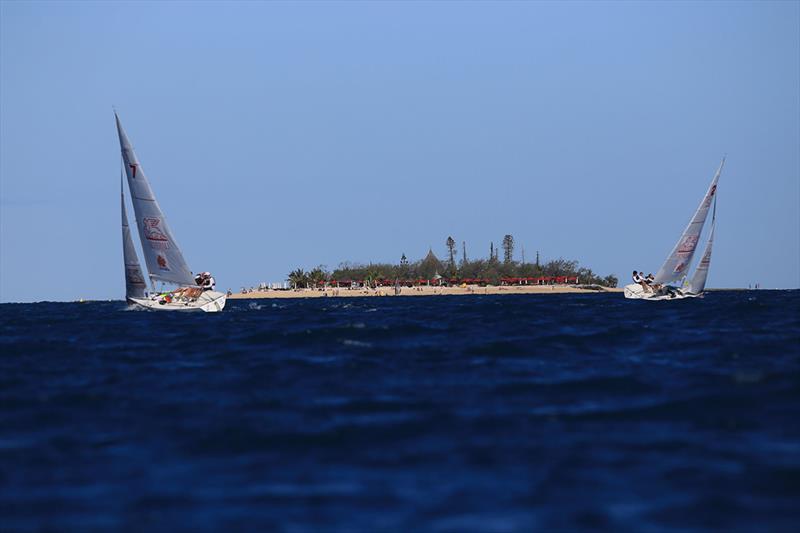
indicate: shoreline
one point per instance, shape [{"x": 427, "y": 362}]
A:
[{"x": 417, "y": 291}]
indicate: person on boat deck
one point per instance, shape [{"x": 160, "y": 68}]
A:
[
  {"x": 647, "y": 281},
  {"x": 641, "y": 281},
  {"x": 650, "y": 279},
  {"x": 208, "y": 283}
]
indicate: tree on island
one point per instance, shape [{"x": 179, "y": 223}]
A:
[
  {"x": 508, "y": 249},
  {"x": 298, "y": 278},
  {"x": 318, "y": 275},
  {"x": 451, "y": 250},
  {"x": 404, "y": 270}
]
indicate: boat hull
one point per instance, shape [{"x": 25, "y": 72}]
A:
[
  {"x": 634, "y": 291},
  {"x": 208, "y": 302}
]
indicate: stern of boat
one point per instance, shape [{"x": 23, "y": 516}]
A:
[
  {"x": 634, "y": 291},
  {"x": 212, "y": 301}
]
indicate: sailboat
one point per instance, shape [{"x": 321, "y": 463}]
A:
[
  {"x": 671, "y": 280},
  {"x": 163, "y": 257}
]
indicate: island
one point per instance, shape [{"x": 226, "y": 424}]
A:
[{"x": 431, "y": 276}]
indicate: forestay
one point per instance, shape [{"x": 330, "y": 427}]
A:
[
  {"x": 134, "y": 280},
  {"x": 675, "y": 267},
  {"x": 161, "y": 253}
]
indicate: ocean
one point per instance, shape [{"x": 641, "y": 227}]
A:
[{"x": 464, "y": 413}]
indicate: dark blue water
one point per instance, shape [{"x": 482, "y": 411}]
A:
[{"x": 507, "y": 413}]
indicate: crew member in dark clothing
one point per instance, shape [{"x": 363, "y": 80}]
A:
[{"x": 205, "y": 281}]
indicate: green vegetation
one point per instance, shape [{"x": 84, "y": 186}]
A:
[{"x": 483, "y": 271}]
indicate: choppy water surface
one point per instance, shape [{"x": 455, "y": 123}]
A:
[{"x": 505, "y": 413}]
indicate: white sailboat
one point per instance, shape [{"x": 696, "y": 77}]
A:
[
  {"x": 162, "y": 256},
  {"x": 670, "y": 281}
]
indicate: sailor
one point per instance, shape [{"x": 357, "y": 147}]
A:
[
  {"x": 208, "y": 283},
  {"x": 641, "y": 281},
  {"x": 650, "y": 280}
]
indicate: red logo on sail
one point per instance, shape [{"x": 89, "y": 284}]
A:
[
  {"x": 152, "y": 231},
  {"x": 162, "y": 262},
  {"x": 688, "y": 245}
]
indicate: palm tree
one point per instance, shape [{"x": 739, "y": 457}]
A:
[
  {"x": 318, "y": 275},
  {"x": 298, "y": 278}
]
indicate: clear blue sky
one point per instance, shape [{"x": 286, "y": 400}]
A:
[{"x": 280, "y": 135}]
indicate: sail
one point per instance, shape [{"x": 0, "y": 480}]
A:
[
  {"x": 674, "y": 268},
  {"x": 134, "y": 280},
  {"x": 698, "y": 283},
  {"x": 162, "y": 256}
]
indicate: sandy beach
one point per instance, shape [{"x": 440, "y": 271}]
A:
[{"x": 419, "y": 291}]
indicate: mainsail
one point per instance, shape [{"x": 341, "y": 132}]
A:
[
  {"x": 161, "y": 253},
  {"x": 134, "y": 280},
  {"x": 677, "y": 263}
]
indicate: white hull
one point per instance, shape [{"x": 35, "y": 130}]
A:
[
  {"x": 208, "y": 301},
  {"x": 634, "y": 291}
]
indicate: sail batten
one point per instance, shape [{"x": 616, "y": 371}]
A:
[
  {"x": 162, "y": 255},
  {"x": 677, "y": 263}
]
